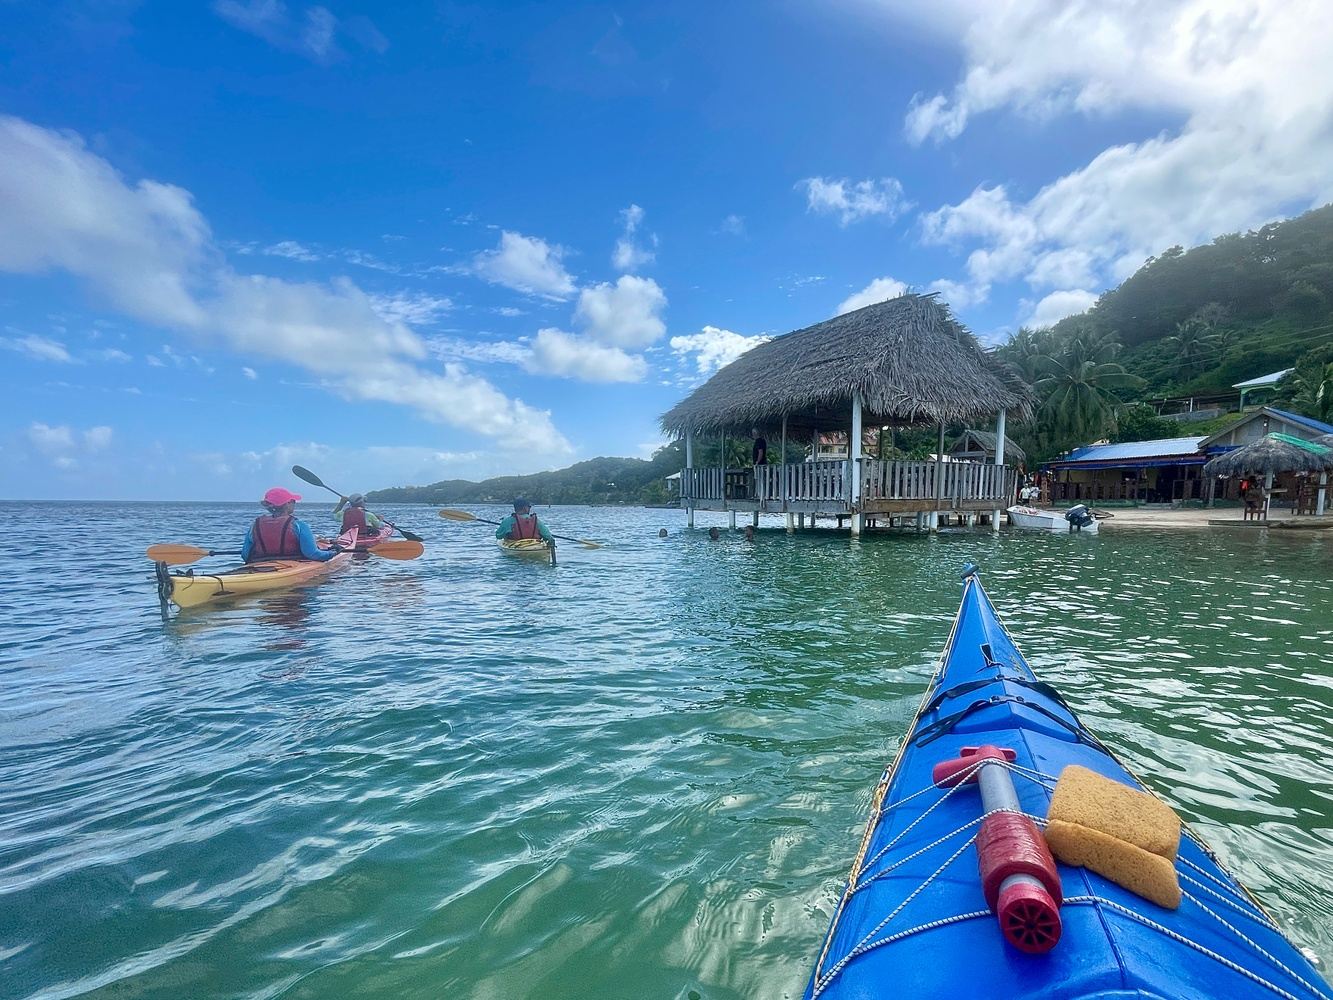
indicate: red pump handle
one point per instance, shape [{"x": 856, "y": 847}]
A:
[{"x": 948, "y": 773}]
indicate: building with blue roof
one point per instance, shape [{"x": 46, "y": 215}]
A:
[{"x": 1170, "y": 470}]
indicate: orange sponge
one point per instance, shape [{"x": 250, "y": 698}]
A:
[
  {"x": 1088, "y": 799},
  {"x": 1121, "y": 833}
]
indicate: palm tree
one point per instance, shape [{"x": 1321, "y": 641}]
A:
[
  {"x": 1076, "y": 386},
  {"x": 1190, "y": 343}
]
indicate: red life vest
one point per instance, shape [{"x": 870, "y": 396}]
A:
[
  {"x": 355, "y": 517},
  {"x": 274, "y": 538},
  {"x": 524, "y": 527}
]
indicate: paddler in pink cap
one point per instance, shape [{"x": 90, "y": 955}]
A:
[{"x": 280, "y": 534}]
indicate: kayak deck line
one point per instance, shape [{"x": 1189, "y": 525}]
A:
[{"x": 907, "y": 866}]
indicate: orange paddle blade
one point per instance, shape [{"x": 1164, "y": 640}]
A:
[
  {"x": 460, "y": 515},
  {"x": 175, "y": 555},
  {"x": 397, "y": 550}
]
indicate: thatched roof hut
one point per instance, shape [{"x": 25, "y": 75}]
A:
[
  {"x": 979, "y": 445},
  {"x": 1271, "y": 454},
  {"x": 908, "y": 360}
]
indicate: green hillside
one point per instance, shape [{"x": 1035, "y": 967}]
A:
[{"x": 1188, "y": 323}]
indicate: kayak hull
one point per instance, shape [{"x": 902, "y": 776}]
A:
[
  {"x": 365, "y": 542},
  {"x": 535, "y": 549},
  {"x": 193, "y": 589},
  {"x": 912, "y": 920}
]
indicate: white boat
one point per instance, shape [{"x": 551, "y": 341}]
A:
[{"x": 1078, "y": 518}]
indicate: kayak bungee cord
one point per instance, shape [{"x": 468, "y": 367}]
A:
[{"x": 868, "y": 942}]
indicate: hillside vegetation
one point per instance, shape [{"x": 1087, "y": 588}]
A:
[{"x": 1188, "y": 323}]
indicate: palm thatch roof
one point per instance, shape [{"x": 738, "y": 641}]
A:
[
  {"x": 907, "y": 358},
  {"x": 985, "y": 441},
  {"x": 1272, "y": 453}
]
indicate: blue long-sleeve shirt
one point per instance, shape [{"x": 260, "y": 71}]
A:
[
  {"x": 507, "y": 525},
  {"x": 306, "y": 538}
]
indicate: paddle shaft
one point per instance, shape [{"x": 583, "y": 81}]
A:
[
  {"x": 564, "y": 538},
  {"x": 300, "y": 472}
]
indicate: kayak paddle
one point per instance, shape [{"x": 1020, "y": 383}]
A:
[
  {"x": 462, "y": 515},
  {"x": 300, "y": 472},
  {"x": 181, "y": 555}
]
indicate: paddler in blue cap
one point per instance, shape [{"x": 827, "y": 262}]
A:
[{"x": 523, "y": 523}]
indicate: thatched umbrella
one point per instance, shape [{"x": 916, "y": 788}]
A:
[
  {"x": 908, "y": 360},
  {"x": 1271, "y": 454}
]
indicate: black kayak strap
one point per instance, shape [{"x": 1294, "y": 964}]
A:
[
  {"x": 945, "y": 725},
  {"x": 1040, "y": 687}
]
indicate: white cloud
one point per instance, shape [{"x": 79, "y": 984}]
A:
[
  {"x": 714, "y": 348},
  {"x": 959, "y": 295},
  {"x": 412, "y": 308},
  {"x": 626, "y": 314},
  {"x": 292, "y": 251},
  {"x": 148, "y": 250},
  {"x": 1058, "y": 305},
  {"x": 1252, "y": 143},
  {"x": 877, "y": 291},
  {"x": 852, "y": 201},
  {"x": 154, "y": 361},
  {"x": 484, "y": 351},
  {"x": 97, "y": 438},
  {"x": 628, "y": 255},
  {"x": 526, "y": 264},
  {"x": 733, "y": 225},
  {"x": 111, "y": 354},
  {"x": 555, "y": 352},
  {"x": 49, "y": 439},
  {"x": 37, "y": 348},
  {"x": 509, "y": 311},
  {"x": 314, "y": 33},
  {"x": 67, "y": 209},
  {"x": 250, "y": 373}
]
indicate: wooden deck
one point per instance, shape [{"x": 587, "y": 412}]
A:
[{"x": 830, "y": 488}]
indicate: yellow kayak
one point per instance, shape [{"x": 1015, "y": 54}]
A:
[
  {"x": 193, "y": 588},
  {"x": 529, "y": 548}
]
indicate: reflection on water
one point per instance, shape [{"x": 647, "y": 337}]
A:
[{"x": 642, "y": 772}]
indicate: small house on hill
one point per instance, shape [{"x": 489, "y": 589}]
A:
[{"x": 905, "y": 361}]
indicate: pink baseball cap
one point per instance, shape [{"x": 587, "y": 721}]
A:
[{"x": 279, "y": 496}]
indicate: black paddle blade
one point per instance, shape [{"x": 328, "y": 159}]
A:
[
  {"x": 300, "y": 472},
  {"x": 411, "y": 536}
]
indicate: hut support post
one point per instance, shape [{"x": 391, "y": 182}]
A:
[
  {"x": 791, "y": 522},
  {"x": 999, "y": 465},
  {"x": 1212, "y": 490},
  {"x": 1268, "y": 492},
  {"x": 754, "y": 519},
  {"x": 1323, "y": 492},
  {"x": 732, "y": 512},
  {"x": 854, "y": 465},
  {"x": 934, "y": 520},
  {"x": 686, "y": 480}
]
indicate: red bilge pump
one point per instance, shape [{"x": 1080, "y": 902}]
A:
[{"x": 1018, "y": 874}]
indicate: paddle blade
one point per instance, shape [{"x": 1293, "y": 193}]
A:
[
  {"x": 458, "y": 515},
  {"x": 411, "y": 536},
  {"x": 589, "y": 545},
  {"x": 397, "y": 550},
  {"x": 175, "y": 555},
  {"x": 300, "y": 472}
]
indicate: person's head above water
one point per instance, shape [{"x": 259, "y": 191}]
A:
[
  {"x": 712, "y": 533},
  {"x": 661, "y": 532},
  {"x": 521, "y": 505},
  {"x": 749, "y": 532},
  {"x": 279, "y": 500}
]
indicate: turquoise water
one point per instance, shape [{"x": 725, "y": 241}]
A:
[{"x": 640, "y": 773}]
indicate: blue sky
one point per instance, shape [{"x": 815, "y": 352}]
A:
[{"x": 406, "y": 242}]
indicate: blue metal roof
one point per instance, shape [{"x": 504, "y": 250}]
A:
[
  {"x": 1295, "y": 418},
  {"x": 1130, "y": 451}
]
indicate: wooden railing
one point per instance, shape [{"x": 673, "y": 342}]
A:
[{"x": 830, "y": 481}]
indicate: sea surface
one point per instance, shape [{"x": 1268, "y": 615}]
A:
[{"x": 640, "y": 773}]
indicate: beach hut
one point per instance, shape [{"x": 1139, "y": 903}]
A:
[
  {"x": 905, "y": 361},
  {"x": 1272, "y": 454}
]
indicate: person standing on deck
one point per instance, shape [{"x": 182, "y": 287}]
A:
[
  {"x": 759, "y": 453},
  {"x": 355, "y": 515},
  {"x": 280, "y": 534},
  {"x": 523, "y": 523}
]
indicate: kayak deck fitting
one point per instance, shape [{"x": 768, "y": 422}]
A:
[{"x": 912, "y": 920}]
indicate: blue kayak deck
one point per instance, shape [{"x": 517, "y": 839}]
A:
[{"x": 912, "y": 921}]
